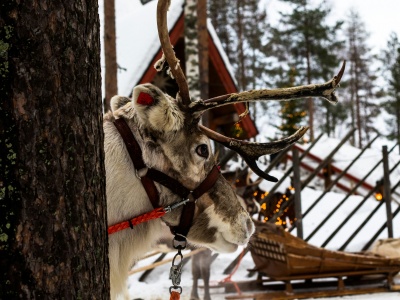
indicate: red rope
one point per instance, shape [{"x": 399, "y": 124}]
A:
[
  {"x": 154, "y": 214},
  {"x": 175, "y": 296},
  {"x": 229, "y": 277}
]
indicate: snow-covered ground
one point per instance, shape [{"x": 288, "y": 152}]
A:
[{"x": 157, "y": 283}]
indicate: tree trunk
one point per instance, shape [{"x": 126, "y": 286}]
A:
[
  {"x": 358, "y": 104},
  {"x": 398, "y": 122},
  {"x": 352, "y": 105},
  {"x": 191, "y": 49},
  {"x": 242, "y": 74},
  {"x": 310, "y": 102},
  {"x": 202, "y": 36},
  {"x": 110, "y": 53},
  {"x": 53, "y": 237}
]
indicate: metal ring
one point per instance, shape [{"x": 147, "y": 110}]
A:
[
  {"x": 178, "y": 246},
  {"x": 176, "y": 287},
  {"x": 141, "y": 173},
  {"x": 190, "y": 197},
  {"x": 181, "y": 257}
]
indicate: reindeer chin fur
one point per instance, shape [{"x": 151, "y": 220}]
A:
[{"x": 219, "y": 235}]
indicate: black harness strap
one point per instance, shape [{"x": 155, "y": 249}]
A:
[
  {"x": 137, "y": 159},
  {"x": 150, "y": 175}
]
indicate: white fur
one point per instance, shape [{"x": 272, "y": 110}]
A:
[
  {"x": 127, "y": 198},
  {"x": 387, "y": 247},
  {"x": 165, "y": 116}
]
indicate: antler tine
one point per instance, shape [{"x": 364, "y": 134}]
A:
[
  {"x": 169, "y": 53},
  {"x": 325, "y": 90},
  {"x": 250, "y": 151}
]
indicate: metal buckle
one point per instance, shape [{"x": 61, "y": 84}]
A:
[
  {"x": 190, "y": 197},
  {"x": 176, "y": 269},
  {"x": 141, "y": 173}
]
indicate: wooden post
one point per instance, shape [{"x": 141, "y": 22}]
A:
[
  {"x": 386, "y": 190},
  {"x": 297, "y": 192},
  {"x": 110, "y": 53}
]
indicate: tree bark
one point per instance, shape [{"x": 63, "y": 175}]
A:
[
  {"x": 202, "y": 35},
  {"x": 110, "y": 53},
  {"x": 53, "y": 237},
  {"x": 191, "y": 49},
  {"x": 242, "y": 73},
  {"x": 310, "y": 102}
]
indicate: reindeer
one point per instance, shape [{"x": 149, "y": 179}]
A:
[{"x": 176, "y": 166}]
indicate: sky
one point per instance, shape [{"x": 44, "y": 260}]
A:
[{"x": 381, "y": 17}]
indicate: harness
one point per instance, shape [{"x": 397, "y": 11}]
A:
[{"x": 148, "y": 176}]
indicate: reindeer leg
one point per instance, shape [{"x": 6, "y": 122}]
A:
[
  {"x": 205, "y": 267},
  {"x": 196, "y": 275}
]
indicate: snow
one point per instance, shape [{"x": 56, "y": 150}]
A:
[
  {"x": 137, "y": 39},
  {"x": 363, "y": 165},
  {"x": 157, "y": 284}
]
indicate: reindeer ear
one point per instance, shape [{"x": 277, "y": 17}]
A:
[
  {"x": 117, "y": 102},
  {"x": 155, "y": 109}
]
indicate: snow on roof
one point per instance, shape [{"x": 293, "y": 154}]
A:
[
  {"x": 363, "y": 165},
  {"x": 137, "y": 39},
  {"x": 342, "y": 159}
]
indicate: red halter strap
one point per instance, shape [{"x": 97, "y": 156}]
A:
[{"x": 149, "y": 175}]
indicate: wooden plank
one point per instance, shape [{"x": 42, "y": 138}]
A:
[
  {"x": 233, "y": 264},
  {"x": 309, "y": 294},
  {"x": 146, "y": 273},
  {"x": 269, "y": 284}
]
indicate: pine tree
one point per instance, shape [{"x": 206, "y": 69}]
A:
[
  {"x": 220, "y": 13},
  {"x": 292, "y": 112},
  {"x": 241, "y": 26},
  {"x": 305, "y": 41},
  {"x": 361, "y": 82},
  {"x": 391, "y": 63}
]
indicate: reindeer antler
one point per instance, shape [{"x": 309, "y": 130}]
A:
[
  {"x": 325, "y": 90},
  {"x": 169, "y": 53},
  {"x": 248, "y": 150}
]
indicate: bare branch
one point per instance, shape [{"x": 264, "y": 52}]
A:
[
  {"x": 169, "y": 52},
  {"x": 325, "y": 90},
  {"x": 250, "y": 151}
]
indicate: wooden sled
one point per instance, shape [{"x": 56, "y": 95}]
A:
[{"x": 290, "y": 268}]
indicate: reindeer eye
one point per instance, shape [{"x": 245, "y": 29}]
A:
[{"x": 202, "y": 150}]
